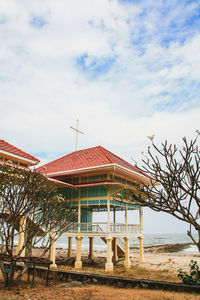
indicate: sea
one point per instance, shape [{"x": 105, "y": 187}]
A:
[{"x": 149, "y": 240}]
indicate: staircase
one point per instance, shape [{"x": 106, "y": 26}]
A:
[
  {"x": 120, "y": 246},
  {"x": 16, "y": 223}
]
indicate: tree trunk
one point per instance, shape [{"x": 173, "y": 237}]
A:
[
  {"x": 197, "y": 243},
  {"x": 28, "y": 249},
  {"x": 11, "y": 274},
  {"x": 3, "y": 269}
]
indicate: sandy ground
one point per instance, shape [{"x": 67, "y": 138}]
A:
[
  {"x": 163, "y": 261},
  {"x": 93, "y": 292},
  {"x": 154, "y": 263}
]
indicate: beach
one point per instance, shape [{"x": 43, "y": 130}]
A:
[
  {"x": 155, "y": 258},
  {"x": 157, "y": 266}
]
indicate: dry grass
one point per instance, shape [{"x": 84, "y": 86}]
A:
[
  {"x": 133, "y": 272},
  {"x": 138, "y": 272}
]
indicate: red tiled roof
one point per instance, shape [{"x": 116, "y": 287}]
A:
[
  {"x": 5, "y": 146},
  {"x": 87, "y": 158}
]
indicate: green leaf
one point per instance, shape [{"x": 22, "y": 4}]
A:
[{"x": 193, "y": 273}]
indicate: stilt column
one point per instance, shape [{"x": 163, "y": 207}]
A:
[
  {"x": 127, "y": 260},
  {"x": 52, "y": 253},
  {"x": 69, "y": 253},
  {"x": 115, "y": 256},
  {"x": 79, "y": 216},
  {"x": 141, "y": 255},
  {"x": 22, "y": 224},
  {"x": 141, "y": 219},
  {"x": 109, "y": 264},
  {"x": 91, "y": 253},
  {"x": 78, "y": 262},
  {"x": 126, "y": 219},
  {"x": 108, "y": 215}
]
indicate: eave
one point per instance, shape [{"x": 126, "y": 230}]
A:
[
  {"x": 115, "y": 168},
  {"x": 18, "y": 158}
]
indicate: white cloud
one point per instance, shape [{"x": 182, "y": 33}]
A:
[{"x": 151, "y": 86}]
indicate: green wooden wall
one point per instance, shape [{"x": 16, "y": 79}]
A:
[{"x": 85, "y": 192}]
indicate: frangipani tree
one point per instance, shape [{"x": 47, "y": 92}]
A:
[
  {"x": 30, "y": 206},
  {"x": 174, "y": 182}
]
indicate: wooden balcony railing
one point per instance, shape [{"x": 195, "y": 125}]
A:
[{"x": 102, "y": 227}]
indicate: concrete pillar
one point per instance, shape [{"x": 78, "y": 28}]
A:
[
  {"x": 127, "y": 263},
  {"x": 22, "y": 225},
  {"x": 79, "y": 216},
  {"x": 126, "y": 221},
  {"x": 141, "y": 219},
  {"x": 115, "y": 256},
  {"x": 91, "y": 253},
  {"x": 108, "y": 215},
  {"x": 141, "y": 255},
  {"x": 69, "y": 253},
  {"x": 78, "y": 262},
  {"x": 52, "y": 253},
  {"x": 109, "y": 264},
  {"x": 114, "y": 219}
]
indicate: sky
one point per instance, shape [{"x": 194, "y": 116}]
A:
[{"x": 125, "y": 69}]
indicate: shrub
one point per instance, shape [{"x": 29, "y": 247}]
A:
[{"x": 193, "y": 277}]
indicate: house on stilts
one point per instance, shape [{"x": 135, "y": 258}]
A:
[{"x": 99, "y": 181}]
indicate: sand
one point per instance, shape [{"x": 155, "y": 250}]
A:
[
  {"x": 93, "y": 292},
  {"x": 154, "y": 262}
]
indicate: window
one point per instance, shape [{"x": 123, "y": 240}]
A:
[
  {"x": 75, "y": 180},
  {"x": 93, "y": 178}
]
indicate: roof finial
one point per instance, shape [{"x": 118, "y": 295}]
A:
[{"x": 77, "y": 132}]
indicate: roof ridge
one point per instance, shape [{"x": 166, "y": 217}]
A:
[
  {"x": 34, "y": 158},
  {"x": 123, "y": 160},
  {"x": 106, "y": 154}
]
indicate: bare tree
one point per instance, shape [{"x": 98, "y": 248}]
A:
[
  {"x": 174, "y": 182},
  {"x": 30, "y": 206}
]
